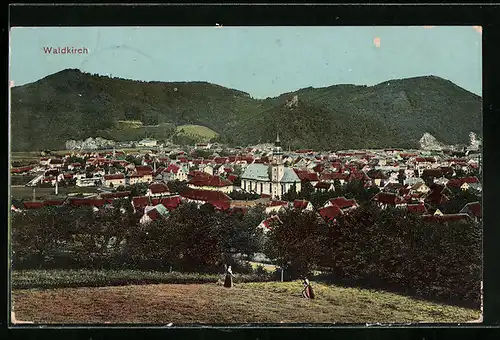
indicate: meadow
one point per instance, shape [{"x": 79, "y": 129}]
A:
[{"x": 208, "y": 303}]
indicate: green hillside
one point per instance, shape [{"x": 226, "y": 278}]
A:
[
  {"x": 202, "y": 133},
  {"x": 75, "y": 105}
]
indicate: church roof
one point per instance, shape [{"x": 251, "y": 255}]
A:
[{"x": 261, "y": 172}]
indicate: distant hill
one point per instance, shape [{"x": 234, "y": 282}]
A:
[{"x": 75, "y": 105}]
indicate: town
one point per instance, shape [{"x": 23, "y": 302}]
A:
[{"x": 157, "y": 180}]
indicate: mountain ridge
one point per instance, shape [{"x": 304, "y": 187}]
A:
[{"x": 393, "y": 113}]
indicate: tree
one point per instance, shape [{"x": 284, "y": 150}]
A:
[
  {"x": 291, "y": 195},
  {"x": 177, "y": 186},
  {"x": 297, "y": 241},
  {"x": 306, "y": 191}
]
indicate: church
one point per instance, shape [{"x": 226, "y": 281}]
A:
[{"x": 274, "y": 179}]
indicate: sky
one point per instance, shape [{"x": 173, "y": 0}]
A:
[{"x": 262, "y": 61}]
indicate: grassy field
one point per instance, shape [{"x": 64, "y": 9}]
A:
[
  {"x": 198, "y": 130},
  {"x": 27, "y": 279},
  {"x": 27, "y": 192},
  {"x": 263, "y": 302}
]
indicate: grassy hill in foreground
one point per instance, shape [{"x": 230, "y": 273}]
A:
[
  {"x": 265, "y": 302},
  {"x": 71, "y": 104}
]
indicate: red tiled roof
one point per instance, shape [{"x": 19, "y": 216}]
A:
[
  {"x": 53, "y": 202},
  {"x": 417, "y": 208},
  {"x": 159, "y": 188},
  {"x": 268, "y": 221},
  {"x": 22, "y": 169},
  {"x": 276, "y": 203},
  {"x": 173, "y": 168},
  {"x": 209, "y": 181},
  {"x": 205, "y": 195},
  {"x": 322, "y": 185},
  {"x": 221, "y": 205},
  {"x": 118, "y": 194},
  {"x": 232, "y": 178},
  {"x": 387, "y": 198},
  {"x": 446, "y": 217},
  {"x": 87, "y": 201},
  {"x": 330, "y": 212},
  {"x": 114, "y": 176},
  {"x": 343, "y": 202},
  {"x": 333, "y": 176},
  {"x": 235, "y": 210},
  {"x": 473, "y": 208},
  {"x": 425, "y": 159},
  {"x": 140, "y": 201},
  {"x": 432, "y": 173},
  {"x": 171, "y": 202},
  {"x": 305, "y": 175},
  {"x": 33, "y": 205},
  {"x": 436, "y": 197},
  {"x": 300, "y": 204}
]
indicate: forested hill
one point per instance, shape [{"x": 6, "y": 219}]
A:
[{"x": 75, "y": 105}]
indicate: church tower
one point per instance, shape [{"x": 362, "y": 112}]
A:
[{"x": 277, "y": 170}]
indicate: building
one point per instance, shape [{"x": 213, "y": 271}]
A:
[
  {"x": 211, "y": 183},
  {"x": 114, "y": 181},
  {"x": 274, "y": 179}
]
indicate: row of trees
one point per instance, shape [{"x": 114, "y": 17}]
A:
[
  {"x": 390, "y": 249},
  {"x": 190, "y": 238}
]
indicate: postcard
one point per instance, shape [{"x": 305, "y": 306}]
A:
[{"x": 179, "y": 176}]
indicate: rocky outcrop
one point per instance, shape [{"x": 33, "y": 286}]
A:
[
  {"x": 429, "y": 142},
  {"x": 89, "y": 144}
]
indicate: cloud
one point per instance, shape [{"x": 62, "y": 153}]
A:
[
  {"x": 376, "y": 42},
  {"x": 478, "y": 29}
]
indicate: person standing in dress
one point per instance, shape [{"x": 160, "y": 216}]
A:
[
  {"x": 228, "y": 282},
  {"x": 307, "y": 292}
]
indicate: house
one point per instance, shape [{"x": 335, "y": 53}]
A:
[
  {"x": 343, "y": 203},
  {"x": 153, "y": 213},
  {"x": 171, "y": 202},
  {"x": 276, "y": 206},
  {"x": 386, "y": 199},
  {"x": 324, "y": 186},
  {"x": 148, "y": 143},
  {"x": 204, "y": 196},
  {"x": 419, "y": 187},
  {"x": 443, "y": 218},
  {"x": 462, "y": 183},
  {"x": 378, "y": 177},
  {"x": 208, "y": 182},
  {"x": 33, "y": 205},
  {"x": 113, "y": 181},
  {"x": 158, "y": 190},
  {"x": 139, "y": 178},
  {"x": 331, "y": 212},
  {"x": 55, "y": 163},
  {"x": 207, "y": 169},
  {"x": 140, "y": 202},
  {"x": 267, "y": 224},
  {"x": 175, "y": 172},
  {"x": 331, "y": 177},
  {"x": 88, "y": 182},
  {"x": 417, "y": 208},
  {"x": 115, "y": 195},
  {"x": 303, "y": 205},
  {"x": 474, "y": 210},
  {"x": 202, "y": 146}
]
